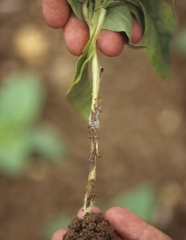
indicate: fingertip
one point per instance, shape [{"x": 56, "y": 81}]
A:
[
  {"x": 137, "y": 32},
  {"x": 58, "y": 235},
  {"x": 94, "y": 210},
  {"x": 80, "y": 213},
  {"x": 126, "y": 223},
  {"x": 117, "y": 214},
  {"x": 111, "y": 43},
  {"x": 55, "y": 12},
  {"x": 113, "y": 212},
  {"x": 76, "y": 35}
]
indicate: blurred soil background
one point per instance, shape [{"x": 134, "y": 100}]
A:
[{"x": 142, "y": 135}]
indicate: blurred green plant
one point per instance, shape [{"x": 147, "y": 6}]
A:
[
  {"x": 142, "y": 200},
  {"x": 21, "y": 102},
  {"x": 54, "y": 224},
  {"x": 181, "y": 42}
]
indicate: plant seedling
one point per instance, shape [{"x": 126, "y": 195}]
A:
[
  {"x": 156, "y": 18},
  {"x": 21, "y": 102}
]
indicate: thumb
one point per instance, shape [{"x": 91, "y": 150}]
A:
[{"x": 132, "y": 227}]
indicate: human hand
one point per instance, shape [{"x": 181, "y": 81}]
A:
[
  {"x": 128, "y": 225},
  {"x": 57, "y": 14}
]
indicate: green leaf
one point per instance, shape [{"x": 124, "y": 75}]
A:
[
  {"x": 47, "y": 144},
  {"x": 79, "y": 94},
  {"x": 76, "y": 8},
  {"x": 142, "y": 201},
  {"x": 159, "y": 28},
  {"x": 136, "y": 11},
  {"x": 118, "y": 19}
]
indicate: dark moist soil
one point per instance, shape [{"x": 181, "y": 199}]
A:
[{"x": 92, "y": 227}]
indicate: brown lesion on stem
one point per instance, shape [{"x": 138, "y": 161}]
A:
[{"x": 94, "y": 155}]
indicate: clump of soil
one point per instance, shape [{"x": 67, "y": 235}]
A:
[{"x": 92, "y": 227}]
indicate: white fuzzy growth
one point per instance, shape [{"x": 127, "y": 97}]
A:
[{"x": 94, "y": 120}]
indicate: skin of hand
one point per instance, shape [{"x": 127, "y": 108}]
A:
[
  {"x": 58, "y": 14},
  {"x": 127, "y": 224}
]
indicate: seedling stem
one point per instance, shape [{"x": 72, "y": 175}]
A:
[{"x": 93, "y": 125}]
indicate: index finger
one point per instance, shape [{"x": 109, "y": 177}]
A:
[
  {"x": 56, "y": 12},
  {"x": 132, "y": 227}
]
